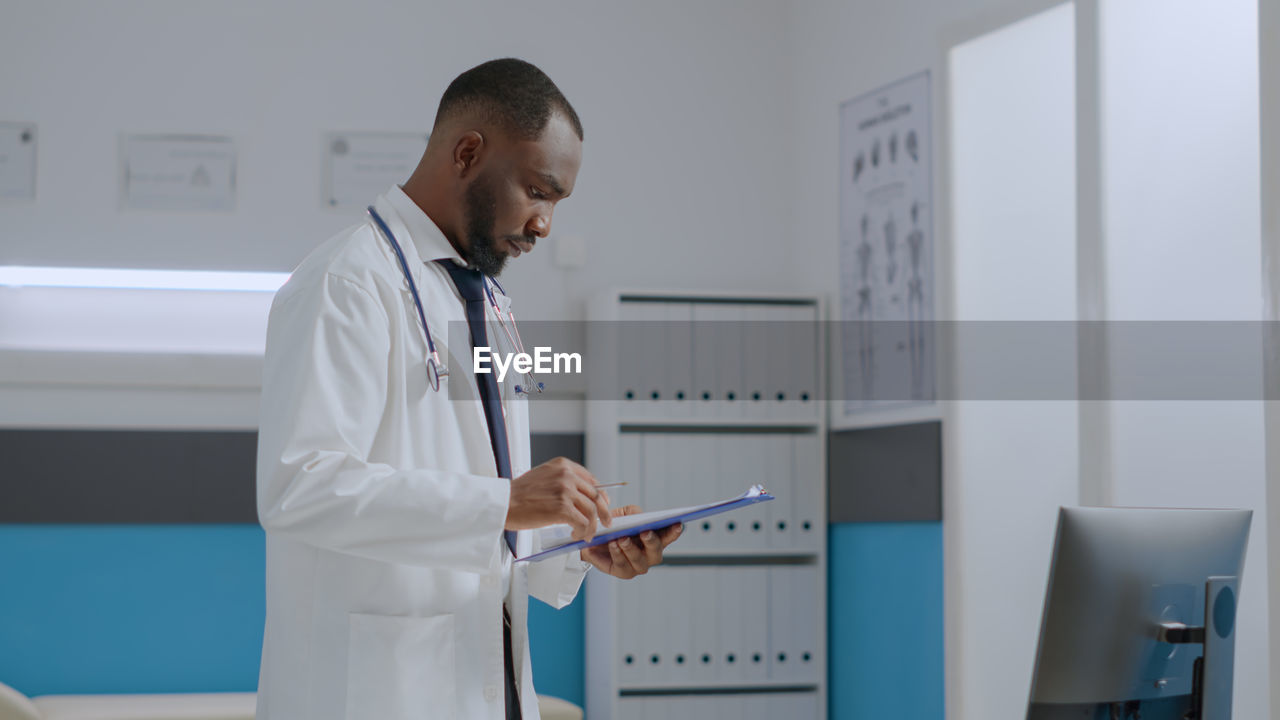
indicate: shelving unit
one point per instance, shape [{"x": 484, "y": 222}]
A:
[{"x": 712, "y": 394}]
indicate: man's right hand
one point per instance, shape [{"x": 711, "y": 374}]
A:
[{"x": 558, "y": 491}]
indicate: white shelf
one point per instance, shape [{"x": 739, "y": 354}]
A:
[
  {"x": 679, "y": 422},
  {"x": 731, "y": 554},
  {"x": 726, "y": 688},
  {"x": 649, "y": 443}
]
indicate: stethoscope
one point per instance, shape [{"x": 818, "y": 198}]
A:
[{"x": 435, "y": 370}]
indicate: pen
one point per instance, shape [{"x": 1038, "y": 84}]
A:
[{"x": 617, "y": 484}]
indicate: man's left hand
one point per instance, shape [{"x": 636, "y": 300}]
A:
[{"x": 631, "y": 556}]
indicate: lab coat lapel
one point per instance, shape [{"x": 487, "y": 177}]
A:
[
  {"x": 446, "y": 317},
  {"x": 407, "y": 245}
]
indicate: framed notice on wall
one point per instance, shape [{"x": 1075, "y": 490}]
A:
[
  {"x": 360, "y": 166},
  {"x": 177, "y": 172},
  {"x": 17, "y": 162},
  {"x": 886, "y": 343}
]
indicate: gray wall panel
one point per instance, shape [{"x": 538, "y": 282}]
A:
[
  {"x": 148, "y": 476},
  {"x": 127, "y": 476},
  {"x": 885, "y": 474}
]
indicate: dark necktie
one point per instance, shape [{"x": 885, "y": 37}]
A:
[{"x": 470, "y": 284}]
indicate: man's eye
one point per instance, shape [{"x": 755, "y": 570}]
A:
[{"x": 536, "y": 194}]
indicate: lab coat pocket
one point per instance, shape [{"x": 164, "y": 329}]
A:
[{"x": 400, "y": 668}]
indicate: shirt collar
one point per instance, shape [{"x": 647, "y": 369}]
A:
[{"x": 426, "y": 235}]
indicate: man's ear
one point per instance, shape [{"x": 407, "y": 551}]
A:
[{"x": 467, "y": 152}]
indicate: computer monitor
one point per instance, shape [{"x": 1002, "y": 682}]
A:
[{"x": 1123, "y": 629}]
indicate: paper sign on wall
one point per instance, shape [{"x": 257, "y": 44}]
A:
[
  {"x": 177, "y": 172},
  {"x": 359, "y": 166},
  {"x": 17, "y": 162}
]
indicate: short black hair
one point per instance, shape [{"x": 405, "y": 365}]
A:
[{"x": 511, "y": 93}]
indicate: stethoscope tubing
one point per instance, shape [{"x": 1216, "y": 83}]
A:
[
  {"x": 434, "y": 371},
  {"x": 434, "y": 359}
]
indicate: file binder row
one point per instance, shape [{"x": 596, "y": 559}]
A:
[
  {"x": 764, "y": 706},
  {"x": 664, "y": 470},
  {"x": 721, "y": 626},
  {"x": 718, "y": 360}
]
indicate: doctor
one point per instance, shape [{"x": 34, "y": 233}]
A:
[{"x": 391, "y": 590}]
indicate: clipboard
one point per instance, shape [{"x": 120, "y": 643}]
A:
[{"x": 630, "y": 525}]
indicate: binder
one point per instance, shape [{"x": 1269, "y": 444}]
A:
[
  {"x": 657, "y": 472},
  {"x": 646, "y": 618},
  {"x": 680, "y": 481},
  {"x": 732, "y": 641},
  {"x": 699, "y": 456},
  {"x": 648, "y": 336},
  {"x": 808, "y": 490},
  {"x": 708, "y": 529},
  {"x": 776, "y": 332},
  {"x": 698, "y": 708},
  {"x": 630, "y": 708},
  {"x": 630, "y": 471},
  {"x": 675, "y": 594},
  {"x": 628, "y": 627},
  {"x": 754, "y": 623},
  {"x": 727, "y": 707},
  {"x": 781, "y": 471},
  {"x": 733, "y": 471},
  {"x": 706, "y": 356},
  {"x": 804, "y": 360},
  {"x": 706, "y": 628},
  {"x": 808, "y": 624},
  {"x": 755, "y": 531},
  {"x": 756, "y": 358},
  {"x": 730, "y": 350},
  {"x": 791, "y": 706},
  {"x": 704, "y": 450},
  {"x": 679, "y": 391},
  {"x": 630, "y": 360},
  {"x": 659, "y": 354},
  {"x": 782, "y": 632}
]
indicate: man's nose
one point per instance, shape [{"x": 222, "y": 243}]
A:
[{"x": 540, "y": 225}]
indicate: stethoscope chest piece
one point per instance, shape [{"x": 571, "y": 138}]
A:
[{"x": 436, "y": 372}]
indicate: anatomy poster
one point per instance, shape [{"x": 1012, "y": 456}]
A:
[{"x": 886, "y": 248}]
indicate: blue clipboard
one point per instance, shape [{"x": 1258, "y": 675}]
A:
[{"x": 755, "y": 495}]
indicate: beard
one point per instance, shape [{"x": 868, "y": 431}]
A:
[{"x": 482, "y": 245}]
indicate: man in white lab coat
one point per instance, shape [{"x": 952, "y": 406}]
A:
[{"x": 391, "y": 588}]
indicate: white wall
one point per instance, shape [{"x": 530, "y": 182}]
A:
[
  {"x": 683, "y": 182},
  {"x": 680, "y": 184},
  {"x": 1179, "y": 124},
  {"x": 998, "y": 519},
  {"x": 1009, "y": 464},
  {"x": 1269, "y": 82},
  {"x": 1181, "y": 221}
]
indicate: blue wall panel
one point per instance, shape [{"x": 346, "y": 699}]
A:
[
  {"x": 557, "y": 648},
  {"x": 179, "y": 608},
  {"x": 131, "y": 608},
  {"x": 885, "y": 621},
  {"x": 172, "y": 608}
]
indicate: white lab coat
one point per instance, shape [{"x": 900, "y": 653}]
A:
[{"x": 384, "y": 514}]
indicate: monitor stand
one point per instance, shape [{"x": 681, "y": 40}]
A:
[{"x": 1215, "y": 668}]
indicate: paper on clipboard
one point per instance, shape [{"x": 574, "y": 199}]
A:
[{"x": 629, "y": 525}]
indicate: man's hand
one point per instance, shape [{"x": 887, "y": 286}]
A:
[
  {"x": 631, "y": 556},
  {"x": 558, "y": 491}
]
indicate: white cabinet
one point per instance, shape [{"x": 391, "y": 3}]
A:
[{"x": 714, "y": 394}]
